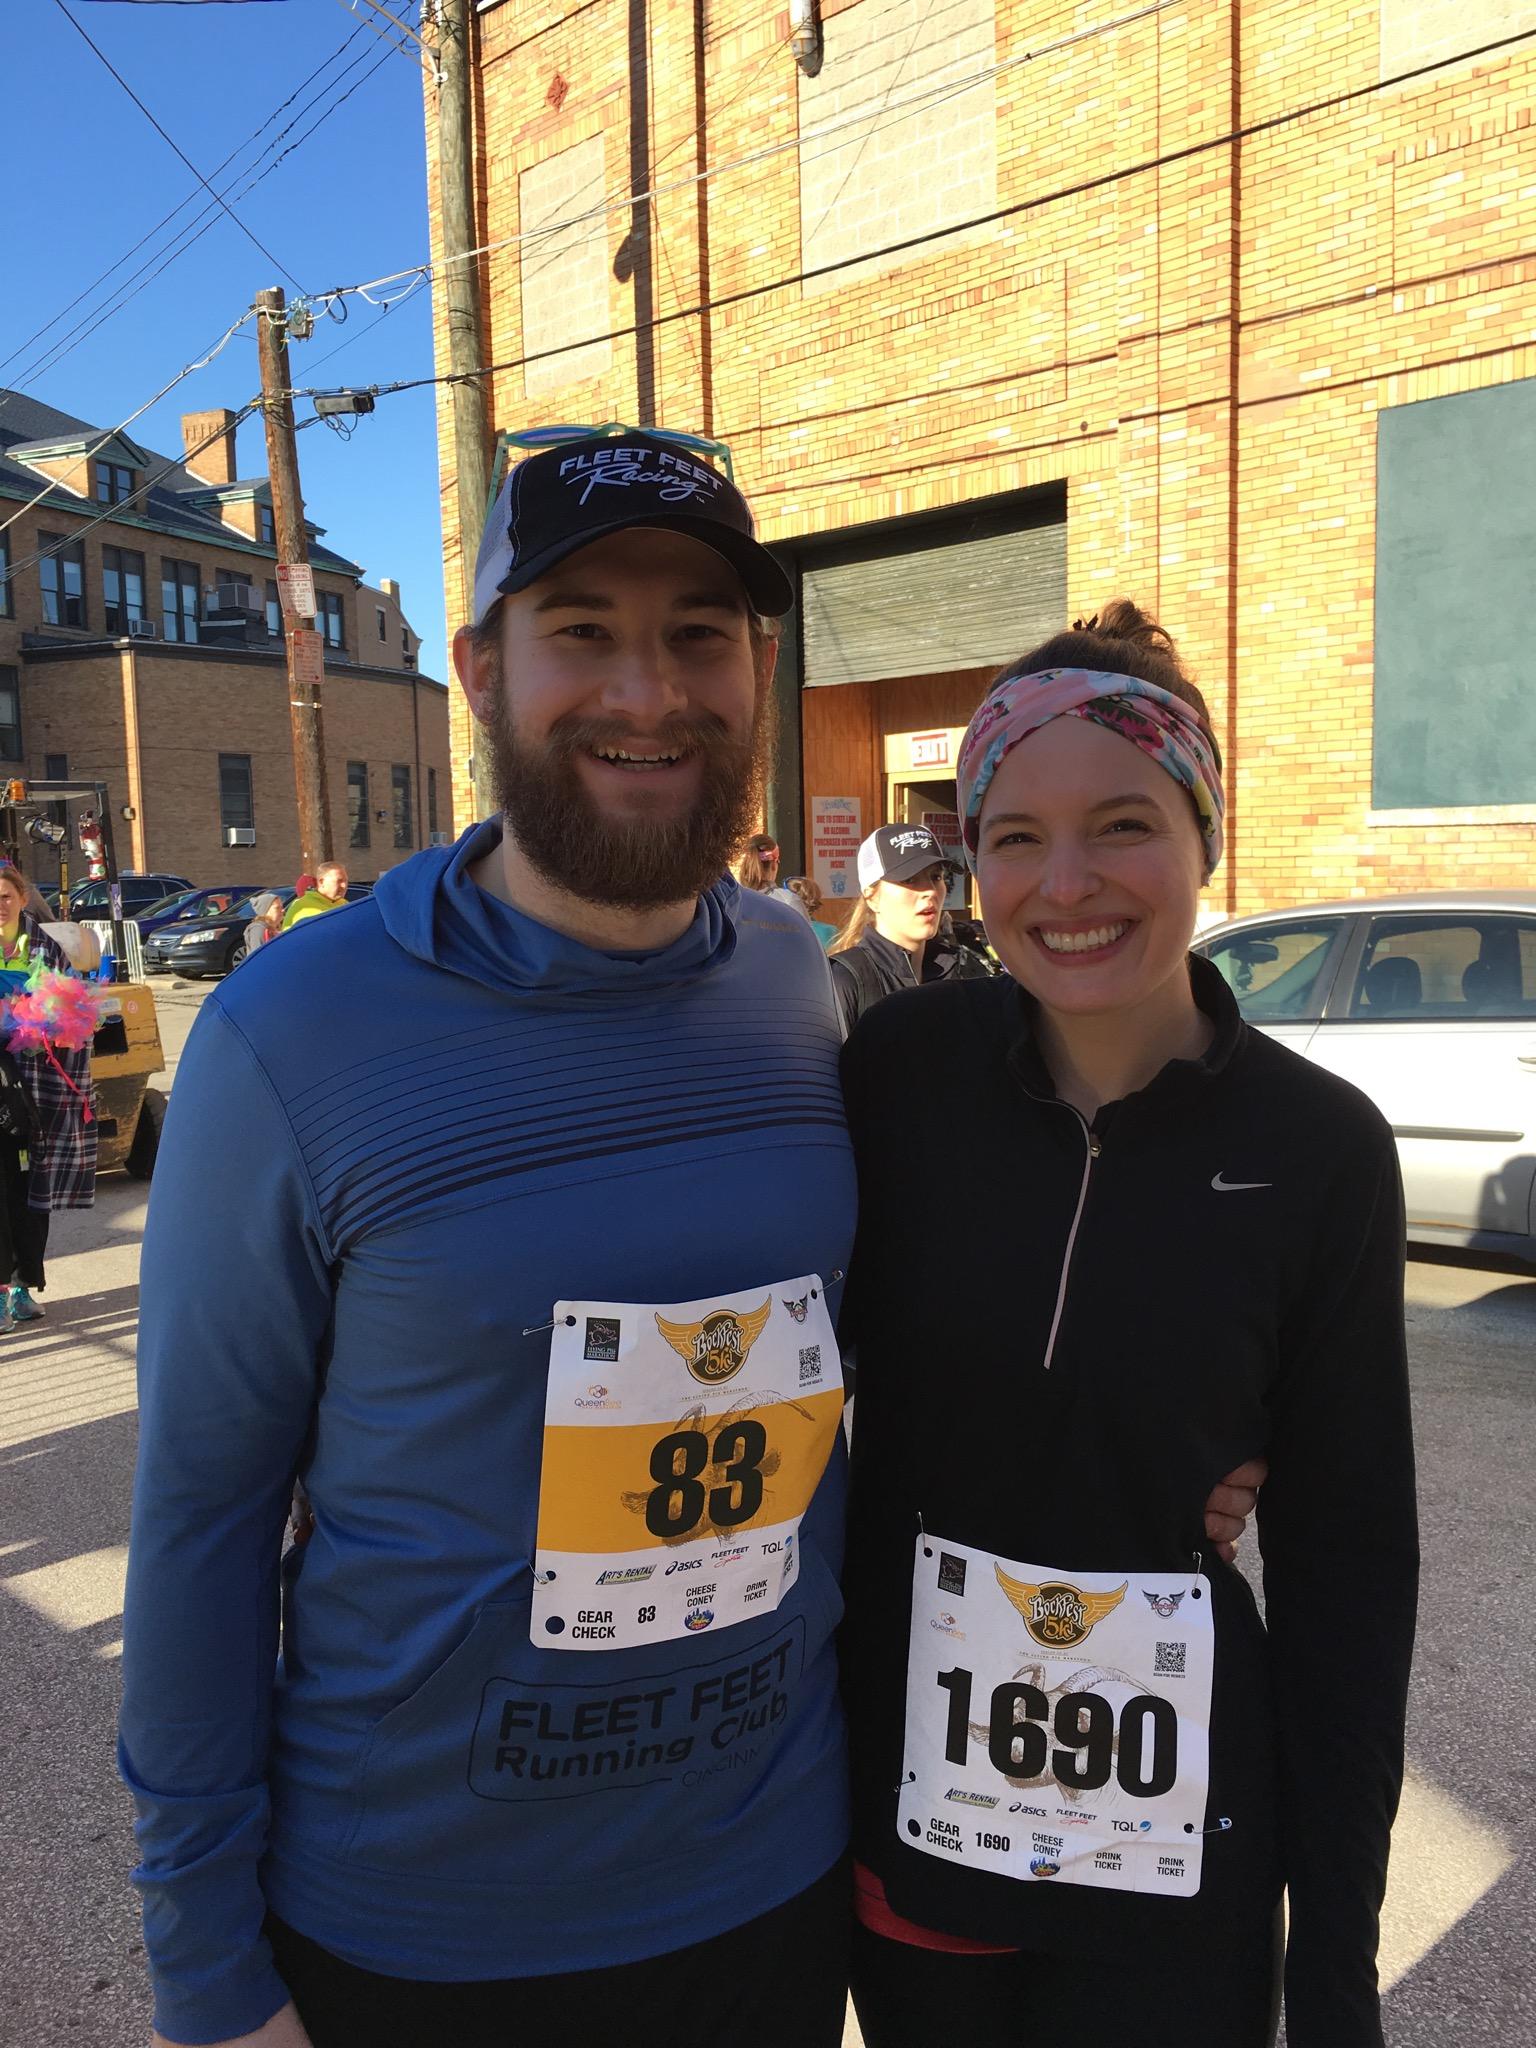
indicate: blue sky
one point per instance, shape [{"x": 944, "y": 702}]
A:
[{"x": 89, "y": 177}]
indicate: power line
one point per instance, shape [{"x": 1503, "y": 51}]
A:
[
  {"x": 192, "y": 167},
  {"x": 166, "y": 220},
  {"x": 191, "y": 233},
  {"x": 900, "y": 110},
  {"x": 115, "y": 511},
  {"x": 974, "y": 221},
  {"x": 103, "y": 438}
]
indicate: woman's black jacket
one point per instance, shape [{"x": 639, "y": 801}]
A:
[
  {"x": 1234, "y": 1288},
  {"x": 877, "y": 967}
]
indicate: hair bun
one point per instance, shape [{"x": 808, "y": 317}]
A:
[{"x": 1123, "y": 619}]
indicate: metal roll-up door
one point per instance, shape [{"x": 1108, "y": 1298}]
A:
[{"x": 948, "y": 605}]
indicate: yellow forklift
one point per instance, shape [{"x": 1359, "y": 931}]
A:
[{"x": 126, "y": 1050}]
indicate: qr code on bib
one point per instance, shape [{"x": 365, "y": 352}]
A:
[
  {"x": 810, "y": 1363},
  {"x": 1169, "y": 1660}
]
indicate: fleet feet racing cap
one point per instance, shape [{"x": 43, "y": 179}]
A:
[
  {"x": 896, "y": 853},
  {"x": 565, "y": 497}
]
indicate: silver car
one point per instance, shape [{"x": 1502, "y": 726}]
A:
[{"x": 1428, "y": 1005}]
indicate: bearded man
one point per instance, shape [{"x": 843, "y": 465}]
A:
[{"x": 562, "y": 1058}]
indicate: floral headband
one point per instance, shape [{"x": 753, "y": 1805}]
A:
[{"x": 1166, "y": 729}]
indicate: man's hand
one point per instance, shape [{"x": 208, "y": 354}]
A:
[
  {"x": 284, "y": 2030},
  {"x": 1231, "y": 1503}
]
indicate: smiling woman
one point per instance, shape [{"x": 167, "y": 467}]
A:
[{"x": 1075, "y": 1737}]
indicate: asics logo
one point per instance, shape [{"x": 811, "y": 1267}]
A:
[{"x": 1234, "y": 1187}]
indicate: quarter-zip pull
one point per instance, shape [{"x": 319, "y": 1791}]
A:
[{"x": 1093, "y": 1146}]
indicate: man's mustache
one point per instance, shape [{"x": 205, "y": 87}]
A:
[{"x": 704, "y": 733}]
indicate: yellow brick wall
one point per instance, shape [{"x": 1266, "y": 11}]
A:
[{"x": 1225, "y": 247}]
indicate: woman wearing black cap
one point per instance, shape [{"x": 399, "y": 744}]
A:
[
  {"x": 1085, "y": 1769},
  {"x": 896, "y": 937}
]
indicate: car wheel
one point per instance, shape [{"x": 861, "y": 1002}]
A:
[
  {"x": 237, "y": 953},
  {"x": 140, "y": 1162}
]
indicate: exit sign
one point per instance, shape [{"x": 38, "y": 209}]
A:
[{"x": 930, "y": 750}]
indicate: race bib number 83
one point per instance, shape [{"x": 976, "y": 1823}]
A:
[
  {"x": 682, "y": 1446},
  {"x": 1057, "y": 1723}
]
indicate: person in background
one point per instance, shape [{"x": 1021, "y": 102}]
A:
[
  {"x": 895, "y": 937},
  {"x": 811, "y": 900},
  {"x": 53, "y": 1165},
  {"x": 758, "y": 869},
  {"x": 329, "y": 892},
  {"x": 266, "y": 921}
]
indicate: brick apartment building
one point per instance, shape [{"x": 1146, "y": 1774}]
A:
[
  {"x": 1005, "y": 307},
  {"x": 146, "y": 651}
]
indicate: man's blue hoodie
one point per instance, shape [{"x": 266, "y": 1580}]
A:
[{"x": 396, "y": 1139}]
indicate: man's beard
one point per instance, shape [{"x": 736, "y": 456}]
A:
[{"x": 634, "y": 863}]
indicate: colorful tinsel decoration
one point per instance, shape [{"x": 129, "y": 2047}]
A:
[
  {"x": 54, "y": 1010},
  {"x": 51, "y": 1010}
]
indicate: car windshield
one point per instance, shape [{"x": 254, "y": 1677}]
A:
[{"x": 167, "y": 905}]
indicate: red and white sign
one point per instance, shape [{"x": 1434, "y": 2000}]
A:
[
  {"x": 930, "y": 750},
  {"x": 836, "y": 829},
  {"x": 306, "y": 664}
]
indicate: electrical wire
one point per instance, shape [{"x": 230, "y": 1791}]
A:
[
  {"x": 96, "y": 49},
  {"x": 899, "y": 110},
  {"x": 191, "y": 233},
  {"x": 102, "y": 439},
  {"x": 252, "y": 405},
  {"x": 166, "y": 220},
  {"x": 1018, "y": 207},
  {"x": 885, "y": 101}
]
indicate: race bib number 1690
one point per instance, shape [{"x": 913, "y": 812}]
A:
[
  {"x": 682, "y": 1445},
  {"x": 1057, "y": 1722}
]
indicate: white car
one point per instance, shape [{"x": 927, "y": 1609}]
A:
[{"x": 1428, "y": 1005}]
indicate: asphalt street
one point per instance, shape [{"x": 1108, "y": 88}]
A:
[{"x": 1458, "y": 1955}]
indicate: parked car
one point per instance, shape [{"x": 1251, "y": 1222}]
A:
[
  {"x": 211, "y": 944},
  {"x": 186, "y": 904},
  {"x": 1427, "y": 1004},
  {"x": 90, "y": 899}
]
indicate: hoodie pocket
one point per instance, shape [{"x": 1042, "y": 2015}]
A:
[{"x": 676, "y": 1744}]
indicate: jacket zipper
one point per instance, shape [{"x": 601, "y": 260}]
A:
[{"x": 1093, "y": 1148}]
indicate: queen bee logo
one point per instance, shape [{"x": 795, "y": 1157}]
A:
[
  {"x": 716, "y": 1349},
  {"x": 1059, "y": 1616}
]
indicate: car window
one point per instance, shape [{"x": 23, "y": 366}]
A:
[
  {"x": 1462, "y": 966},
  {"x": 1275, "y": 970},
  {"x": 167, "y": 905},
  {"x": 91, "y": 900}
]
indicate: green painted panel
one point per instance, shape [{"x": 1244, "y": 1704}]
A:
[{"x": 1455, "y": 683}]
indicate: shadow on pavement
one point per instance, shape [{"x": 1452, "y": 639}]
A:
[{"x": 69, "y": 1923}]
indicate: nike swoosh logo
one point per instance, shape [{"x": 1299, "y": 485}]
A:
[{"x": 1234, "y": 1187}]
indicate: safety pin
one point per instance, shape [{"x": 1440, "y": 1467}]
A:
[
  {"x": 538, "y": 1329},
  {"x": 1220, "y": 1828}
]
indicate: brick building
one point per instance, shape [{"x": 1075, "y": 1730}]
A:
[
  {"x": 145, "y": 650},
  {"x": 1008, "y": 306}
]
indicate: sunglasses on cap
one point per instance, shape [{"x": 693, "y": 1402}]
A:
[{"x": 531, "y": 439}]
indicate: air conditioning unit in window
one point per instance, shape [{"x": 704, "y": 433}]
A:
[
  {"x": 143, "y": 629},
  {"x": 239, "y": 835}
]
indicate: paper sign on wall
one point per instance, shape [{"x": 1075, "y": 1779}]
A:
[
  {"x": 836, "y": 830},
  {"x": 945, "y": 827}
]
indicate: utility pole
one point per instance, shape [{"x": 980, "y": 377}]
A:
[
  {"x": 461, "y": 297},
  {"x": 296, "y": 583}
]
